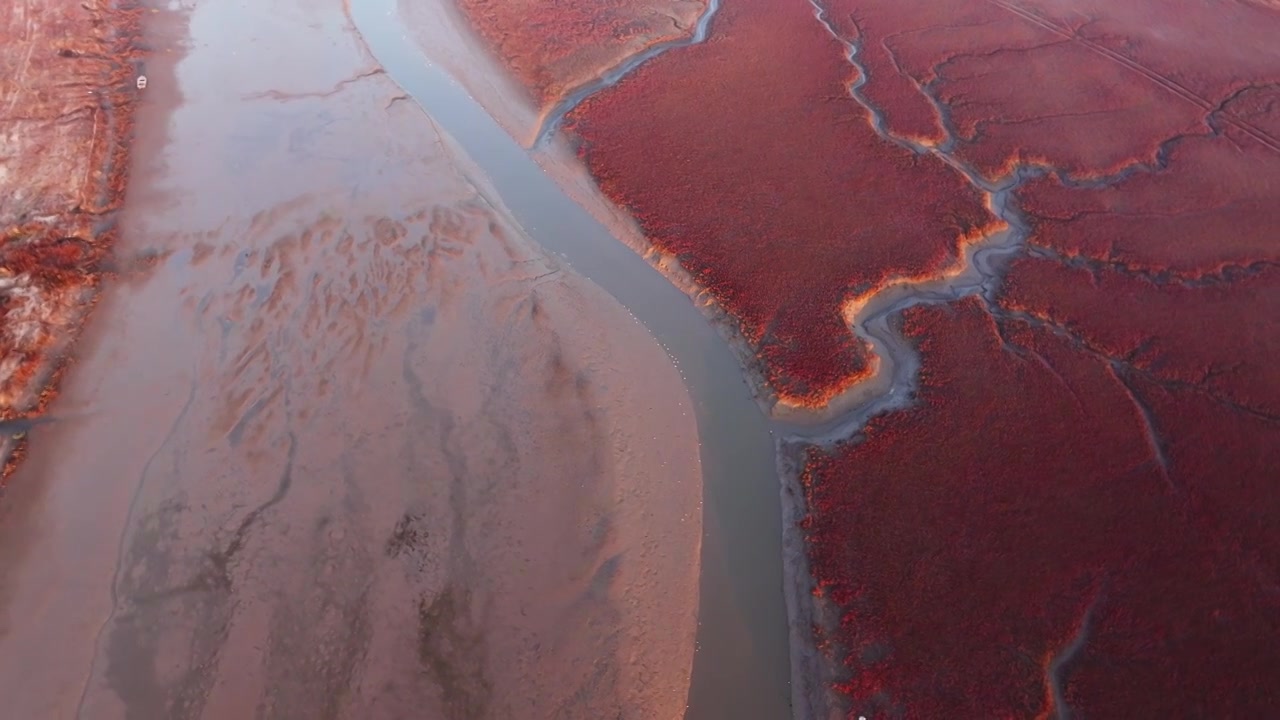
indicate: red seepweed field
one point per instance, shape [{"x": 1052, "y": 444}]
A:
[
  {"x": 1076, "y": 513},
  {"x": 759, "y": 171}
]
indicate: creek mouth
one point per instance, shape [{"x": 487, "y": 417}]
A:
[
  {"x": 742, "y": 663},
  {"x": 555, "y": 118}
]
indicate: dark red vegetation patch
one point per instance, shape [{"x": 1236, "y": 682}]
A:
[
  {"x": 1217, "y": 333},
  {"x": 1200, "y": 641},
  {"x": 747, "y": 159},
  {"x": 1049, "y": 527},
  {"x": 45, "y": 287},
  {"x": 1077, "y": 516},
  {"x": 53, "y": 263}
]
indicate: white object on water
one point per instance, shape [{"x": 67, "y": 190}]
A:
[{"x": 142, "y": 82}]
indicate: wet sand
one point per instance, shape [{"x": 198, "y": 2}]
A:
[
  {"x": 355, "y": 447},
  {"x": 741, "y": 665}
]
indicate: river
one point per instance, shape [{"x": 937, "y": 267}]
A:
[{"x": 741, "y": 669}]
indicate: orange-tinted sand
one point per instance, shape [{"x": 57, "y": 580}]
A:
[{"x": 66, "y": 97}]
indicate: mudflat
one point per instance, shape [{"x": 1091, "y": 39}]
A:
[{"x": 354, "y": 446}]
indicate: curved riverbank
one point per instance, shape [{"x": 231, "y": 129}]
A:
[
  {"x": 741, "y": 668},
  {"x": 442, "y": 32}
]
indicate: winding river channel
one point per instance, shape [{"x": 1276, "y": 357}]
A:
[{"x": 741, "y": 669}]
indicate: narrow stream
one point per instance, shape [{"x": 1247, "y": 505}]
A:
[
  {"x": 610, "y": 77},
  {"x": 741, "y": 669}
]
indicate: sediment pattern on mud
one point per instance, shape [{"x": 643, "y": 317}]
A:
[
  {"x": 481, "y": 528},
  {"x": 1052, "y": 236},
  {"x": 66, "y": 104},
  {"x": 356, "y": 447}
]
